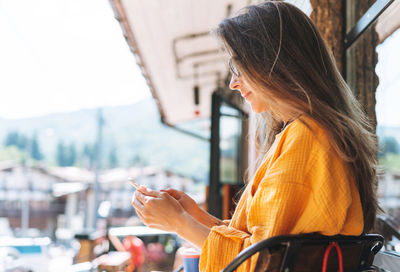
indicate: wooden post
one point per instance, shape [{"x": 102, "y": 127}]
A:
[
  {"x": 328, "y": 16},
  {"x": 357, "y": 64},
  {"x": 362, "y": 59}
]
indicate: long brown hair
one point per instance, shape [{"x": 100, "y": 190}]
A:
[{"x": 282, "y": 55}]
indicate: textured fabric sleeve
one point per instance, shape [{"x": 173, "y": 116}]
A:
[
  {"x": 221, "y": 247},
  {"x": 271, "y": 213}
]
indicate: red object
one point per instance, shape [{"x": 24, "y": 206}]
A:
[
  {"x": 156, "y": 252},
  {"x": 191, "y": 256},
  {"x": 197, "y": 113},
  {"x": 326, "y": 256},
  {"x": 136, "y": 248}
]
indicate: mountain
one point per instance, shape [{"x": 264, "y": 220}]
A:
[{"x": 133, "y": 131}]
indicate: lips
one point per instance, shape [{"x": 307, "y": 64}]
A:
[{"x": 245, "y": 95}]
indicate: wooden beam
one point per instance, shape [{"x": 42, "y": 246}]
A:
[
  {"x": 328, "y": 16},
  {"x": 357, "y": 64},
  {"x": 361, "y": 60}
]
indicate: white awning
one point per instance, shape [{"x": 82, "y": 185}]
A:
[{"x": 170, "y": 38}]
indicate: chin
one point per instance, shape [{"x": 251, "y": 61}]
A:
[{"x": 258, "y": 110}]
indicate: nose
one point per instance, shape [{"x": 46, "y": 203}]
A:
[{"x": 235, "y": 83}]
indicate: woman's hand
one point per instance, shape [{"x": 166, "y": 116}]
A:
[
  {"x": 186, "y": 201},
  {"x": 163, "y": 211},
  {"x": 193, "y": 209},
  {"x": 158, "y": 209}
]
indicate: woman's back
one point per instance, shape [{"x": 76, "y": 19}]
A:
[{"x": 301, "y": 187}]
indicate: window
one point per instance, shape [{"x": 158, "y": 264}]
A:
[
  {"x": 230, "y": 133},
  {"x": 388, "y": 119}
]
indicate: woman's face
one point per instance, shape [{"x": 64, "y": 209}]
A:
[{"x": 257, "y": 102}]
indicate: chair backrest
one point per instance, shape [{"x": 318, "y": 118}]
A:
[{"x": 297, "y": 253}]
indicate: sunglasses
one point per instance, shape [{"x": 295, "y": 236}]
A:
[{"x": 233, "y": 68}]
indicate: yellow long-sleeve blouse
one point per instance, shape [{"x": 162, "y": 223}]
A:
[{"x": 301, "y": 187}]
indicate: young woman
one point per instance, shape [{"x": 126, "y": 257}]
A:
[{"x": 318, "y": 169}]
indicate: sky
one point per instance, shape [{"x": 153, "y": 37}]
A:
[{"x": 64, "y": 55}]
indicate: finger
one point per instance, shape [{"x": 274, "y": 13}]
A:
[
  {"x": 146, "y": 222},
  {"x": 136, "y": 203},
  {"x": 136, "y": 197},
  {"x": 140, "y": 214},
  {"x": 142, "y": 197},
  {"x": 141, "y": 217},
  {"x": 146, "y": 191},
  {"x": 174, "y": 193},
  {"x": 168, "y": 197}
]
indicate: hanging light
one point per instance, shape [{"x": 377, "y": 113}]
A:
[{"x": 196, "y": 91}]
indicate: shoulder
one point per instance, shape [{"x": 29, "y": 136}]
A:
[
  {"x": 295, "y": 151},
  {"x": 300, "y": 144},
  {"x": 306, "y": 132}
]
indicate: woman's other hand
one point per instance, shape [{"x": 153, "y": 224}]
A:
[
  {"x": 193, "y": 209},
  {"x": 163, "y": 211},
  {"x": 157, "y": 209},
  {"x": 186, "y": 201}
]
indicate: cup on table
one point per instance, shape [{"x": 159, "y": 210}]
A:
[{"x": 191, "y": 257}]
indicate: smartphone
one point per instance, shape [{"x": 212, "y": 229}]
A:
[{"x": 133, "y": 183}]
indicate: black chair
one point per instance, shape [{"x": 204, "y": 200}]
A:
[{"x": 300, "y": 253}]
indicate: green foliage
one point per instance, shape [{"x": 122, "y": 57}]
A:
[
  {"x": 66, "y": 155},
  {"x": 12, "y": 153},
  {"x": 14, "y": 138},
  {"x": 88, "y": 155},
  {"x": 388, "y": 145},
  {"x": 113, "y": 158},
  {"x": 389, "y": 153},
  {"x": 138, "y": 160},
  {"x": 71, "y": 154},
  {"x": 61, "y": 156},
  {"x": 35, "y": 149},
  {"x": 228, "y": 170},
  {"x": 390, "y": 162},
  {"x": 25, "y": 145}
]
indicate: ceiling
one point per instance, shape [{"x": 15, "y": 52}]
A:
[
  {"x": 175, "y": 51},
  {"x": 173, "y": 46}
]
